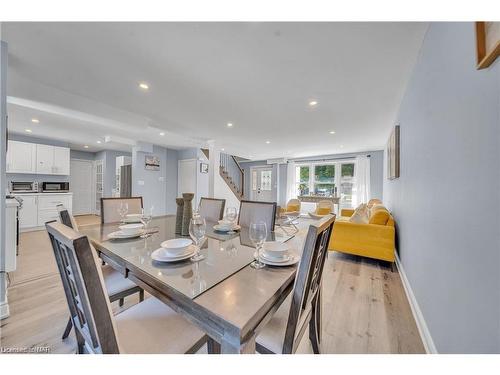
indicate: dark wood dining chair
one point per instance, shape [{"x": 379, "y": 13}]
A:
[
  {"x": 212, "y": 209},
  {"x": 254, "y": 211},
  {"x": 117, "y": 285},
  {"x": 302, "y": 308},
  {"x": 109, "y": 208},
  {"x": 147, "y": 327}
]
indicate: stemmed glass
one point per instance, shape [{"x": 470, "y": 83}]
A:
[
  {"x": 197, "y": 229},
  {"x": 231, "y": 215},
  {"x": 146, "y": 217},
  {"x": 123, "y": 210},
  {"x": 258, "y": 234}
]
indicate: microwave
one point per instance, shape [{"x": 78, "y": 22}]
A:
[
  {"x": 51, "y": 187},
  {"x": 24, "y": 187}
]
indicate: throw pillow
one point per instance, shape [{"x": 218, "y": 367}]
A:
[{"x": 360, "y": 215}]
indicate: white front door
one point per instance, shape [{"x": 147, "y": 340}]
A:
[
  {"x": 262, "y": 184},
  {"x": 80, "y": 183}
]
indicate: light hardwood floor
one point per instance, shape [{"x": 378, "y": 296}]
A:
[{"x": 365, "y": 309}]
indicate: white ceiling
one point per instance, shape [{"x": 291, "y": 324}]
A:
[{"x": 81, "y": 80}]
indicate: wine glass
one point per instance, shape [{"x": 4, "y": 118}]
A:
[
  {"x": 146, "y": 217},
  {"x": 123, "y": 210},
  {"x": 197, "y": 228},
  {"x": 258, "y": 234},
  {"x": 231, "y": 215}
]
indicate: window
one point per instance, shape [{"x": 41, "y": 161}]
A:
[
  {"x": 327, "y": 179},
  {"x": 302, "y": 180}
]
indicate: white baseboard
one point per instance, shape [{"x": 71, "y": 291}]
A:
[{"x": 425, "y": 334}]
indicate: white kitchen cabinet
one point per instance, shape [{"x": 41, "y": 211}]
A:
[
  {"x": 21, "y": 157},
  {"x": 39, "y": 208},
  {"x": 28, "y": 214},
  {"x": 44, "y": 159},
  {"x": 61, "y": 160}
]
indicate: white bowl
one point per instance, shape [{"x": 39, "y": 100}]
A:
[
  {"x": 275, "y": 249},
  {"x": 176, "y": 246},
  {"x": 225, "y": 224},
  {"x": 131, "y": 228}
]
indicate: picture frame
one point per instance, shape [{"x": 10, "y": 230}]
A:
[
  {"x": 487, "y": 43},
  {"x": 152, "y": 163},
  {"x": 203, "y": 168},
  {"x": 393, "y": 154}
]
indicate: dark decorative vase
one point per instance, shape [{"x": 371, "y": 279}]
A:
[
  {"x": 187, "y": 212},
  {"x": 179, "y": 215}
]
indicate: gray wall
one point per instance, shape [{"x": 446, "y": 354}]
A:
[
  {"x": 82, "y": 155},
  {"x": 446, "y": 202},
  {"x": 376, "y": 173},
  {"x": 159, "y": 188}
]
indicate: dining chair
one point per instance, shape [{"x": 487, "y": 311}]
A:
[
  {"x": 212, "y": 209},
  {"x": 293, "y": 205},
  {"x": 147, "y": 327},
  {"x": 109, "y": 208},
  {"x": 253, "y": 211},
  {"x": 324, "y": 207},
  {"x": 302, "y": 307},
  {"x": 117, "y": 285}
]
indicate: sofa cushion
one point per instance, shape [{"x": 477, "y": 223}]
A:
[
  {"x": 360, "y": 215},
  {"x": 379, "y": 215},
  {"x": 372, "y": 202}
]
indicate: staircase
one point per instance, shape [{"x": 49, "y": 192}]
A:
[{"x": 231, "y": 171}]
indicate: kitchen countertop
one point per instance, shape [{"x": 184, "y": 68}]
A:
[
  {"x": 55, "y": 193},
  {"x": 11, "y": 202}
]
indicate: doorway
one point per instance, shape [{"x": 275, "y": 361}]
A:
[
  {"x": 261, "y": 184},
  {"x": 186, "y": 179},
  {"x": 81, "y": 183}
]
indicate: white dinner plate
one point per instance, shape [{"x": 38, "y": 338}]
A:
[
  {"x": 119, "y": 235},
  {"x": 218, "y": 228},
  {"x": 160, "y": 255},
  {"x": 294, "y": 259}
]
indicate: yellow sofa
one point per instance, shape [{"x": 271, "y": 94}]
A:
[{"x": 373, "y": 240}]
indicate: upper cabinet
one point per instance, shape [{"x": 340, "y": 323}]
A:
[{"x": 23, "y": 157}]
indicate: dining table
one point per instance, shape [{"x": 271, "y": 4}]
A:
[{"x": 221, "y": 294}]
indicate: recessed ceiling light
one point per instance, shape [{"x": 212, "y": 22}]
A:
[
  {"x": 98, "y": 141},
  {"x": 268, "y": 142},
  {"x": 144, "y": 86},
  {"x": 162, "y": 134},
  {"x": 229, "y": 124},
  {"x": 35, "y": 120},
  {"x": 27, "y": 130},
  {"x": 313, "y": 103},
  {"x": 86, "y": 146},
  {"x": 222, "y": 149},
  {"x": 332, "y": 132},
  {"x": 341, "y": 146}
]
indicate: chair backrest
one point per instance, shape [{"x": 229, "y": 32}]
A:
[
  {"x": 307, "y": 281},
  {"x": 253, "y": 211},
  {"x": 324, "y": 205},
  {"x": 109, "y": 208},
  {"x": 212, "y": 209},
  {"x": 84, "y": 288},
  {"x": 66, "y": 218},
  {"x": 293, "y": 205}
]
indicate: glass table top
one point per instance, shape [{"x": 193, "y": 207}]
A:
[{"x": 225, "y": 254}]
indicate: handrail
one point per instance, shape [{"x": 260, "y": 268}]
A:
[{"x": 232, "y": 173}]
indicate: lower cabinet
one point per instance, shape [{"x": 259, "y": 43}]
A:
[{"x": 39, "y": 208}]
